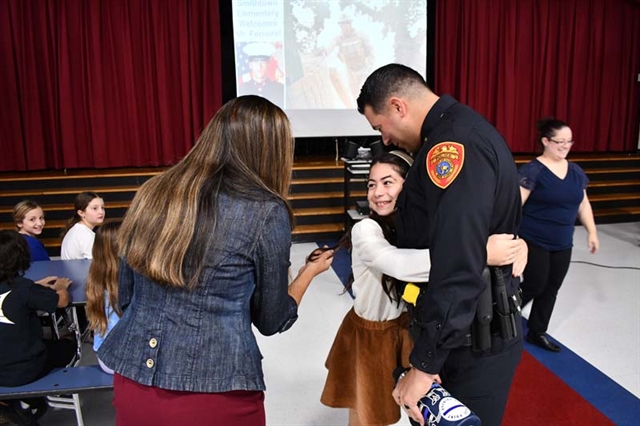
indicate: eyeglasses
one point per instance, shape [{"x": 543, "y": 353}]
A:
[{"x": 562, "y": 142}]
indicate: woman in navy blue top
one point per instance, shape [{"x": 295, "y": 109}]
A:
[{"x": 553, "y": 195}]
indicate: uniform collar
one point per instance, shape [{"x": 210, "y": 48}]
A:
[{"x": 434, "y": 115}]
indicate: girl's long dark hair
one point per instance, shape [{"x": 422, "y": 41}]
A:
[
  {"x": 401, "y": 162},
  {"x": 388, "y": 225},
  {"x": 81, "y": 202}
]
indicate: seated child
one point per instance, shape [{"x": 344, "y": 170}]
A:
[
  {"x": 103, "y": 311},
  {"x": 78, "y": 238},
  {"x": 29, "y": 220},
  {"x": 24, "y": 353}
]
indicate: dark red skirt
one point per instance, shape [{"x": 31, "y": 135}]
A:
[{"x": 138, "y": 405}]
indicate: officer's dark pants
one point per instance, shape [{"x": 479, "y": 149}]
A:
[
  {"x": 482, "y": 381},
  {"x": 543, "y": 277}
]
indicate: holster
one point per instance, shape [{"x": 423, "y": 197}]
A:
[
  {"x": 495, "y": 309},
  {"x": 506, "y": 308},
  {"x": 481, "y": 326}
]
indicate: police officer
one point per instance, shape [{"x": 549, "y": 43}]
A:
[
  {"x": 461, "y": 188},
  {"x": 257, "y": 81}
]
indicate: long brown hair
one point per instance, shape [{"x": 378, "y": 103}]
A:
[
  {"x": 401, "y": 163},
  {"x": 246, "y": 150},
  {"x": 103, "y": 276},
  {"x": 81, "y": 202}
]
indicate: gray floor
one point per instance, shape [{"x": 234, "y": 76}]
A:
[{"x": 592, "y": 302}]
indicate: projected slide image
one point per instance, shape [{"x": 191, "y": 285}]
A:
[
  {"x": 335, "y": 56},
  {"x": 260, "y": 67},
  {"x": 311, "y": 57}
]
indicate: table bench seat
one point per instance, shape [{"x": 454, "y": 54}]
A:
[{"x": 62, "y": 381}]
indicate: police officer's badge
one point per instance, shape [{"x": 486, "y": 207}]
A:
[{"x": 444, "y": 163}]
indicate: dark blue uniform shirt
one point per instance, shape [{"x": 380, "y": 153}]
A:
[{"x": 455, "y": 224}]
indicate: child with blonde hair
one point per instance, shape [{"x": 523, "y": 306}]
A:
[{"x": 28, "y": 217}]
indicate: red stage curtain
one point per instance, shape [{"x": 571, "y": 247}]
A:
[
  {"x": 518, "y": 61},
  {"x": 105, "y": 83}
]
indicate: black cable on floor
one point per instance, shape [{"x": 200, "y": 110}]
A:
[{"x": 606, "y": 266}]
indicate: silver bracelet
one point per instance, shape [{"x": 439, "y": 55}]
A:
[{"x": 401, "y": 376}]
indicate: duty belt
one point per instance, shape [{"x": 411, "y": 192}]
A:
[{"x": 496, "y": 310}]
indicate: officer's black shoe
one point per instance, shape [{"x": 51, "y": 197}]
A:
[{"x": 542, "y": 341}]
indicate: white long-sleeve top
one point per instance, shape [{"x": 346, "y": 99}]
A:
[
  {"x": 371, "y": 257},
  {"x": 77, "y": 243}
]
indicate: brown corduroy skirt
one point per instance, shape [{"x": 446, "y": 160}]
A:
[{"x": 361, "y": 363}]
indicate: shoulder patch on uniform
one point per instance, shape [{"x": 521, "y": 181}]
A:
[{"x": 444, "y": 163}]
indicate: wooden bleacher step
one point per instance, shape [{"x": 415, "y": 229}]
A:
[
  {"x": 598, "y": 171},
  {"x": 316, "y": 180},
  {"x": 614, "y": 197},
  {"x": 68, "y": 191},
  {"x": 75, "y": 174},
  {"x": 318, "y": 211},
  {"x": 314, "y": 195},
  {"x": 318, "y": 229},
  {"x": 610, "y": 183},
  {"x": 68, "y": 207},
  {"x": 617, "y": 211},
  {"x": 333, "y": 194}
]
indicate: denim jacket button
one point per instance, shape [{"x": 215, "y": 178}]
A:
[
  {"x": 153, "y": 342},
  {"x": 150, "y": 363}
]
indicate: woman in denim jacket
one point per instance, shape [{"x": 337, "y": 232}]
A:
[{"x": 205, "y": 254}]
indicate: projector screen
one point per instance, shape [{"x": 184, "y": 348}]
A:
[{"x": 311, "y": 57}]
